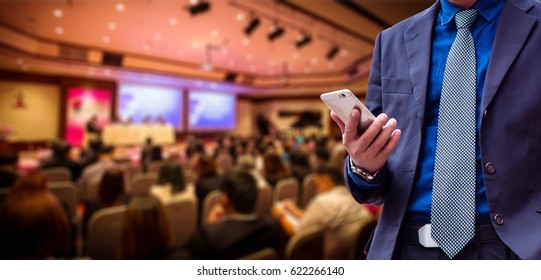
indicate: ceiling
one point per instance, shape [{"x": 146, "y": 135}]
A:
[{"x": 160, "y": 41}]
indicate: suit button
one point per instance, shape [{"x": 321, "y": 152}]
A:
[
  {"x": 485, "y": 114},
  {"x": 490, "y": 168},
  {"x": 498, "y": 219}
]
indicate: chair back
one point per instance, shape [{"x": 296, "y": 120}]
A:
[
  {"x": 142, "y": 182},
  {"x": 105, "y": 233},
  {"x": 182, "y": 218},
  {"x": 306, "y": 244},
  {"x": 67, "y": 193},
  {"x": 357, "y": 250},
  {"x": 211, "y": 199},
  {"x": 286, "y": 188},
  {"x": 308, "y": 189},
  {"x": 264, "y": 202},
  {"x": 155, "y": 166},
  {"x": 264, "y": 254},
  {"x": 57, "y": 174}
]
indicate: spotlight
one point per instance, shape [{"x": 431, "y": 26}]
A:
[
  {"x": 303, "y": 39},
  {"x": 333, "y": 52},
  {"x": 254, "y": 23},
  {"x": 199, "y": 7},
  {"x": 275, "y": 32}
]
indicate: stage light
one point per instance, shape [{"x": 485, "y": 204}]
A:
[
  {"x": 333, "y": 52},
  {"x": 303, "y": 39},
  {"x": 275, "y": 32},
  {"x": 249, "y": 29},
  {"x": 199, "y": 7}
]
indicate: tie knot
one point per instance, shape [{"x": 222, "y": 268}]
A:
[{"x": 465, "y": 18}]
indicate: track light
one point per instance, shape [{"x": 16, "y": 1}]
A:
[
  {"x": 333, "y": 52},
  {"x": 199, "y": 7},
  {"x": 303, "y": 39},
  {"x": 275, "y": 32},
  {"x": 254, "y": 23}
]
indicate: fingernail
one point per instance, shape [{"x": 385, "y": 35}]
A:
[{"x": 382, "y": 117}]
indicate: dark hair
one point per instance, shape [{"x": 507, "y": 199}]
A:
[
  {"x": 33, "y": 225},
  {"x": 32, "y": 182},
  {"x": 241, "y": 189},
  {"x": 106, "y": 149},
  {"x": 333, "y": 172},
  {"x": 206, "y": 165},
  {"x": 111, "y": 186},
  {"x": 60, "y": 149},
  {"x": 172, "y": 173},
  {"x": 8, "y": 158},
  {"x": 145, "y": 229}
]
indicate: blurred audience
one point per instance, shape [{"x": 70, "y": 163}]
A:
[
  {"x": 146, "y": 232},
  {"x": 93, "y": 173},
  {"x": 274, "y": 168},
  {"x": 33, "y": 223},
  {"x": 207, "y": 180},
  {"x": 150, "y": 153},
  {"x": 8, "y": 169},
  {"x": 61, "y": 158},
  {"x": 237, "y": 231},
  {"x": 335, "y": 211}
]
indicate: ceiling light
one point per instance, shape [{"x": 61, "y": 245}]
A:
[
  {"x": 333, "y": 52},
  {"x": 199, "y": 7},
  {"x": 249, "y": 29},
  {"x": 303, "y": 40},
  {"x": 275, "y": 32}
]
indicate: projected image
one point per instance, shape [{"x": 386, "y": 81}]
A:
[
  {"x": 148, "y": 103},
  {"x": 211, "y": 111}
]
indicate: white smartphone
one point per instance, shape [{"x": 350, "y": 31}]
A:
[{"x": 342, "y": 102}]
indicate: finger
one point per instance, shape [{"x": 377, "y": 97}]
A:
[
  {"x": 352, "y": 125},
  {"x": 372, "y": 131},
  {"x": 386, "y": 151},
  {"x": 338, "y": 121},
  {"x": 383, "y": 136}
]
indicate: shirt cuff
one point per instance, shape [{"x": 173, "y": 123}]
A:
[{"x": 360, "y": 183}]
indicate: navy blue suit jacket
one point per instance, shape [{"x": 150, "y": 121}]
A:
[{"x": 510, "y": 136}]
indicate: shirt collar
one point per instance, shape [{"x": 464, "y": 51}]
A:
[{"x": 488, "y": 9}]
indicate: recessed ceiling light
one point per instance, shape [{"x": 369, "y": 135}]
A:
[
  {"x": 246, "y": 41},
  {"x": 173, "y": 21},
  {"x": 240, "y": 16},
  {"x": 59, "y": 30},
  {"x": 253, "y": 68},
  {"x": 120, "y": 7},
  {"x": 314, "y": 60},
  {"x": 111, "y": 25},
  {"x": 180, "y": 54},
  {"x": 214, "y": 33},
  {"x": 330, "y": 65},
  {"x": 157, "y": 36},
  {"x": 295, "y": 55},
  {"x": 249, "y": 57},
  {"x": 344, "y": 53},
  {"x": 58, "y": 13},
  {"x": 106, "y": 39},
  {"x": 195, "y": 45}
]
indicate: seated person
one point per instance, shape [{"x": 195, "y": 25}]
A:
[
  {"x": 171, "y": 183},
  {"x": 146, "y": 232},
  {"x": 61, "y": 158},
  {"x": 237, "y": 232},
  {"x": 93, "y": 173},
  {"x": 150, "y": 153},
  {"x": 33, "y": 223},
  {"x": 335, "y": 211},
  {"x": 8, "y": 169}
]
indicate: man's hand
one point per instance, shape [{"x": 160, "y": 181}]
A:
[{"x": 371, "y": 149}]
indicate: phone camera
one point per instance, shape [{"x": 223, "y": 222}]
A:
[{"x": 342, "y": 95}]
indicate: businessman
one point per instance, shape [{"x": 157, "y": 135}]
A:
[{"x": 455, "y": 152}]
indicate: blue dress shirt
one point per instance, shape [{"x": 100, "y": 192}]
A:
[{"x": 483, "y": 32}]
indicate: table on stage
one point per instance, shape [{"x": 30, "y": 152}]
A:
[{"x": 119, "y": 134}]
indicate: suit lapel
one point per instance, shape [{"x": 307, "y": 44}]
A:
[
  {"x": 418, "y": 45},
  {"x": 513, "y": 30}
]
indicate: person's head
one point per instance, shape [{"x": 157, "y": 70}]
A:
[
  {"x": 95, "y": 145},
  {"x": 330, "y": 173},
  {"x": 111, "y": 187},
  {"x": 273, "y": 165},
  {"x": 60, "y": 149},
  {"x": 240, "y": 192},
  {"x": 206, "y": 165},
  {"x": 33, "y": 225},
  {"x": 32, "y": 182},
  {"x": 145, "y": 229},
  {"x": 106, "y": 152},
  {"x": 171, "y": 173}
]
